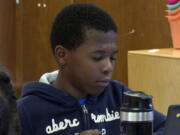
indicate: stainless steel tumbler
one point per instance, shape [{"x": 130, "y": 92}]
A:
[{"x": 136, "y": 114}]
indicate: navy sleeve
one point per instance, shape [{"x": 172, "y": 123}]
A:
[
  {"x": 26, "y": 127},
  {"x": 159, "y": 123}
]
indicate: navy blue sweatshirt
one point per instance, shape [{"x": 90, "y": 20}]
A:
[{"x": 46, "y": 110}]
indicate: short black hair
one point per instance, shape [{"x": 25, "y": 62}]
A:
[
  {"x": 71, "y": 23},
  {"x": 9, "y": 123}
]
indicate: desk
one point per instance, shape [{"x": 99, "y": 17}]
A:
[{"x": 156, "y": 72}]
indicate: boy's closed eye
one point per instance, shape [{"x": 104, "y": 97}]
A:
[
  {"x": 99, "y": 58},
  {"x": 100, "y": 55}
]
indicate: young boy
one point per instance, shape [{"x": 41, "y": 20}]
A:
[{"x": 80, "y": 99}]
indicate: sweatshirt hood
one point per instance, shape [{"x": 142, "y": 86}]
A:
[
  {"x": 45, "y": 90},
  {"x": 48, "y": 78},
  {"x": 48, "y": 92}
]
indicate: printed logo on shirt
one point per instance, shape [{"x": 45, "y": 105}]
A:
[
  {"x": 97, "y": 118},
  {"x": 114, "y": 115},
  {"x": 62, "y": 125}
]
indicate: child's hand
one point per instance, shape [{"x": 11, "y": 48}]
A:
[{"x": 90, "y": 132}]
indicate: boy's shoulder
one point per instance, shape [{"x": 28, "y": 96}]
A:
[
  {"x": 116, "y": 89},
  {"x": 116, "y": 85},
  {"x": 113, "y": 94}
]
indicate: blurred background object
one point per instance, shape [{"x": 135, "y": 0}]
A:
[
  {"x": 174, "y": 21},
  {"x": 172, "y": 2},
  {"x": 9, "y": 124}
]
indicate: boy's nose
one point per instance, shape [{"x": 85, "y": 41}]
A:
[{"x": 107, "y": 66}]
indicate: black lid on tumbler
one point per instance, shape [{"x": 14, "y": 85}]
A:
[{"x": 136, "y": 101}]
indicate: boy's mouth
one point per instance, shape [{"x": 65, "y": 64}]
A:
[{"x": 103, "y": 83}]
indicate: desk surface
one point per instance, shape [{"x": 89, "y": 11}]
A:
[{"x": 165, "y": 52}]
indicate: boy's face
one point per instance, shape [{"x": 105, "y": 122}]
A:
[{"x": 89, "y": 67}]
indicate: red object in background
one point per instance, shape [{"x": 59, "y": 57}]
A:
[
  {"x": 174, "y": 22},
  {"x": 171, "y": 2}
]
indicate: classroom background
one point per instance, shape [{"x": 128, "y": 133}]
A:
[{"x": 25, "y": 46}]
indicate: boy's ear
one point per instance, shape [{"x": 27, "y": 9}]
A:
[{"x": 61, "y": 55}]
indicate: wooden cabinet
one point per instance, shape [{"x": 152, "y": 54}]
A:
[
  {"x": 34, "y": 19},
  {"x": 7, "y": 37},
  {"x": 156, "y": 72}
]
